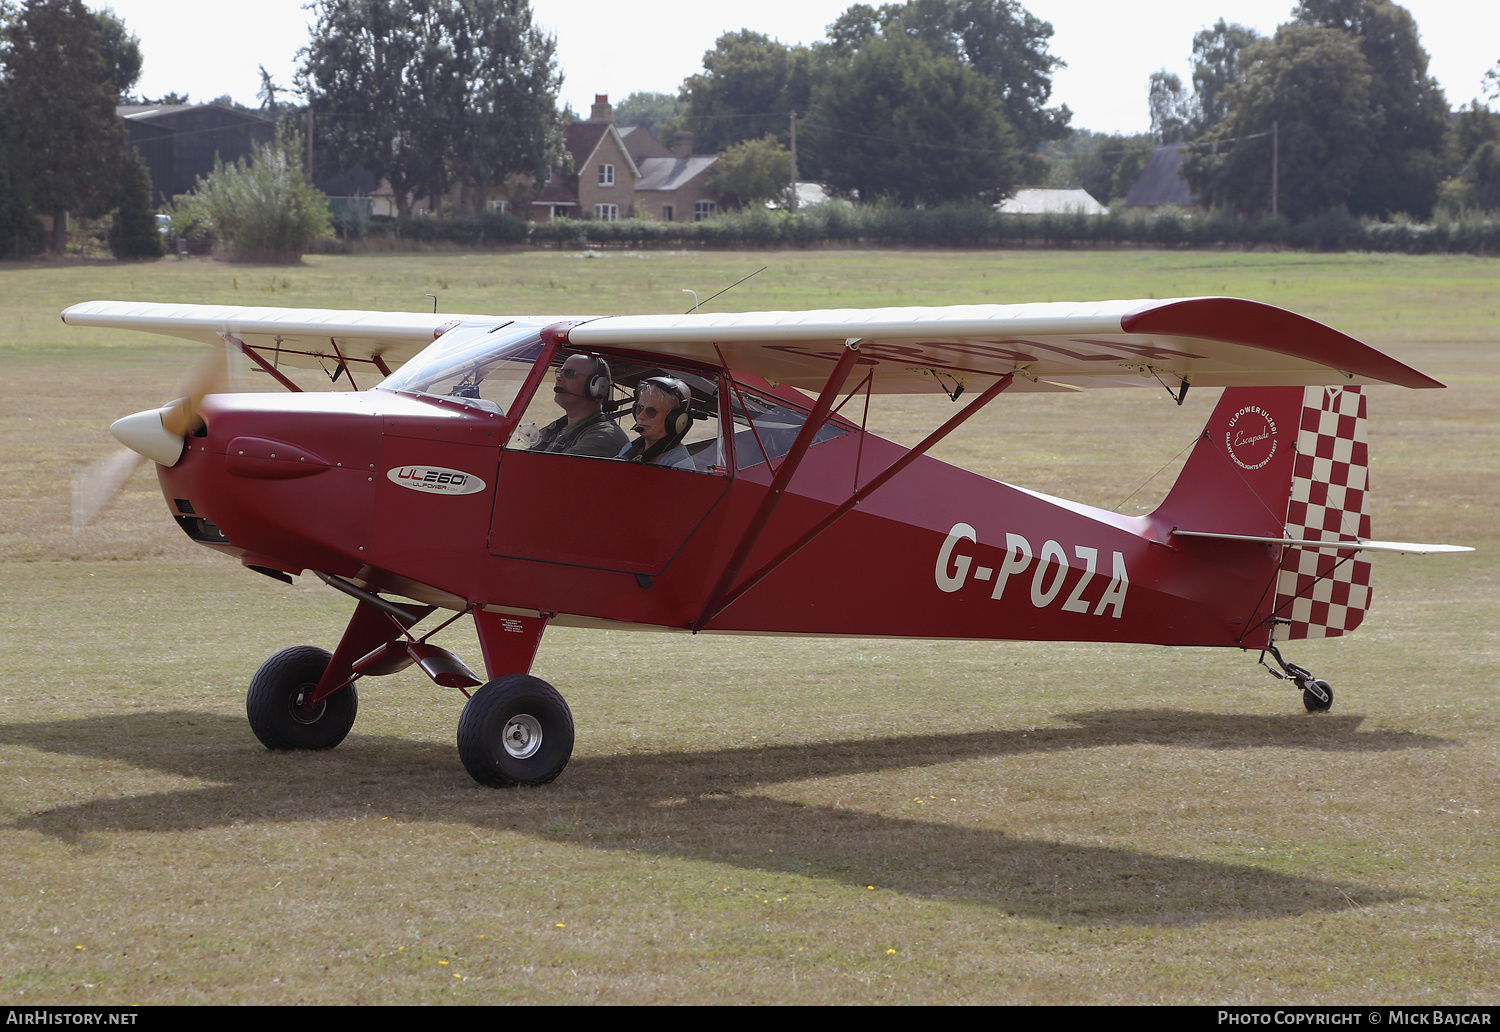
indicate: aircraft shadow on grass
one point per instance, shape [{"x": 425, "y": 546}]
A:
[{"x": 704, "y": 805}]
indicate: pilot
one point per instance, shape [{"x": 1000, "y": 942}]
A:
[
  {"x": 662, "y": 419},
  {"x": 583, "y": 385}
]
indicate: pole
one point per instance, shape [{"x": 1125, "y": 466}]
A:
[
  {"x": 794, "y": 161},
  {"x": 1275, "y": 161}
]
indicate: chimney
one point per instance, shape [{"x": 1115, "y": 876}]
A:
[
  {"x": 601, "y": 111},
  {"x": 682, "y": 144}
]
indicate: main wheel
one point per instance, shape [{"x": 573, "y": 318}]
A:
[
  {"x": 275, "y": 702},
  {"x": 1313, "y": 703},
  {"x": 516, "y": 730}
]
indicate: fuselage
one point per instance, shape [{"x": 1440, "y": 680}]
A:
[{"x": 417, "y": 495}]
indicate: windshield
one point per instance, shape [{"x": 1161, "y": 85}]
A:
[{"x": 483, "y": 366}]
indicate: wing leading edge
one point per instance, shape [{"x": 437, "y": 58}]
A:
[
  {"x": 303, "y": 337},
  {"x": 1050, "y": 346}
]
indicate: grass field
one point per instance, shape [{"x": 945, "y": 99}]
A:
[{"x": 757, "y": 820}]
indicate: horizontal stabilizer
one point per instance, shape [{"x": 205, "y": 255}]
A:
[{"x": 1408, "y": 547}]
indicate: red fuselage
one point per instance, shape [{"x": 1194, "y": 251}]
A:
[{"x": 415, "y": 495}]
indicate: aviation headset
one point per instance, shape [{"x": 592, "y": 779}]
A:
[
  {"x": 679, "y": 419},
  {"x": 600, "y": 383}
]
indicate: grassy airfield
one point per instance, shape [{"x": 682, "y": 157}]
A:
[{"x": 757, "y": 820}]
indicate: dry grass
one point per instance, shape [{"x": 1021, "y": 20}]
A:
[{"x": 752, "y": 820}]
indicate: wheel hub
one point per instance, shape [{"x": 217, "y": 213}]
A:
[
  {"x": 301, "y": 712},
  {"x": 523, "y": 736}
]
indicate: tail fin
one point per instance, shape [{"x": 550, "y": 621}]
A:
[{"x": 1286, "y": 462}]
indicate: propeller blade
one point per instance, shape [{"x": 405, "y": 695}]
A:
[
  {"x": 209, "y": 376},
  {"x": 93, "y": 488}
]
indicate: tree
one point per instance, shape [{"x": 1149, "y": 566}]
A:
[
  {"x": 120, "y": 49},
  {"x": 66, "y": 143},
  {"x": 133, "y": 233},
  {"x": 750, "y": 85},
  {"x": 654, "y": 112},
  {"x": 1172, "y": 110},
  {"x": 1473, "y": 127},
  {"x": 1315, "y": 84},
  {"x": 506, "y": 82},
  {"x": 752, "y": 172},
  {"x": 420, "y": 92},
  {"x": 1409, "y": 114},
  {"x": 20, "y": 232},
  {"x": 895, "y": 119},
  {"x": 998, "y": 39},
  {"x": 1105, "y": 165},
  {"x": 1215, "y": 67}
]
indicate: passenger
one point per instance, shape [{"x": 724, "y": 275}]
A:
[
  {"x": 662, "y": 419},
  {"x": 583, "y": 385}
]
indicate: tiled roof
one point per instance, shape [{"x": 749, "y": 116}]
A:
[
  {"x": 1161, "y": 181},
  {"x": 672, "y": 173}
]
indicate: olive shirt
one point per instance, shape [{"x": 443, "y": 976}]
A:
[{"x": 597, "y": 435}]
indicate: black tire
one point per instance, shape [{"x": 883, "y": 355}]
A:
[
  {"x": 1315, "y": 704},
  {"x": 273, "y": 702},
  {"x": 516, "y": 730}
]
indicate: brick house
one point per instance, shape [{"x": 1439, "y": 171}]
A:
[{"x": 620, "y": 169}]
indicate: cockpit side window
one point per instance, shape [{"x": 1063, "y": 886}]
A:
[{"x": 595, "y": 406}]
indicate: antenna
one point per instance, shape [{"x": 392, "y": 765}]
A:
[
  {"x": 434, "y": 302},
  {"x": 726, "y": 290}
]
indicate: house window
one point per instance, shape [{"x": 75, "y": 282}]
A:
[
  {"x": 666, "y": 213},
  {"x": 607, "y": 212},
  {"x": 501, "y": 206},
  {"x": 702, "y": 210},
  {"x": 606, "y": 175}
]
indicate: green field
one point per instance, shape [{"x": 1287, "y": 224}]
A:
[{"x": 757, "y": 820}]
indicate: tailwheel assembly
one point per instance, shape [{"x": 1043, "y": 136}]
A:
[{"x": 1317, "y": 694}]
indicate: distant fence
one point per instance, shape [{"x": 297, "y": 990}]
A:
[{"x": 950, "y": 225}]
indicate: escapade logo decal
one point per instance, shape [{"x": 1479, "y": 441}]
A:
[
  {"x": 435, "y": 480},
  {"x": 1251, "y": 437}
]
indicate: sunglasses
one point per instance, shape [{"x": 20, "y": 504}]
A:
[
  {"x": 649, "y": 410},
  {"x": 571, "y": 374}
]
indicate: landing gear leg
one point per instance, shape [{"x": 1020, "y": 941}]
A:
[{"x": 1317, "y": 695}]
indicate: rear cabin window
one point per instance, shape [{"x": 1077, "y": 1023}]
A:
[{"x": 765, "y": 427}]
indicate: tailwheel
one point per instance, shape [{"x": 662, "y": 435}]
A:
[
  {"x": 278, "y": 707},
  {"x": 1317, "y": 696},
  {"x": 516, "y": 730}
]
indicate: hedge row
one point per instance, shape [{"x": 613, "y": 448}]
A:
[{"x": 955, "y": 225}]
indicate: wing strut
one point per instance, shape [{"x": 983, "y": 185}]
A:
[
  {"x": 718, "y": 605},
  {"x": 255, "y": 357},
  {"x": 783, "y": 477}
]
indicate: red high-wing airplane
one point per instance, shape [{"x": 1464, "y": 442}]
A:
[{"x": 759, "y": 509}]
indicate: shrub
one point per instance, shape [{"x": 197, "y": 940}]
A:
[{"x": 263, "y": 210}]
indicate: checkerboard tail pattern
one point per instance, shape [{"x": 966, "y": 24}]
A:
[{"x": 1325, "y": 594}]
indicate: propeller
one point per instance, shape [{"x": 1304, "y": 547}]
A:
[{"x": 151, "y": 434}]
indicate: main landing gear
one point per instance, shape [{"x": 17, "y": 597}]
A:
[
  {"x": 1317, "y": 695},
  {"x": 280, "y": 707},
  {"x": 514, "y": 730}
]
